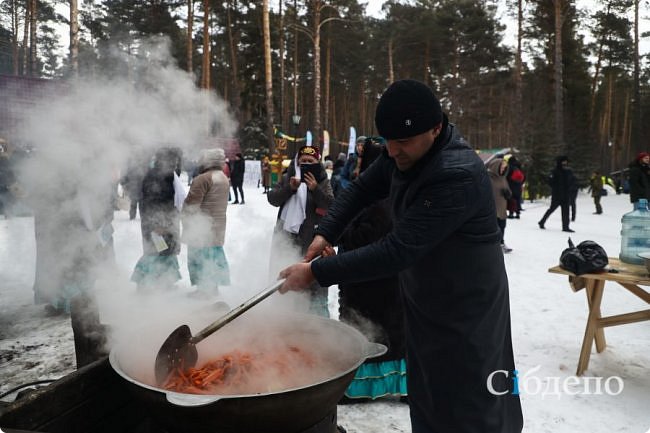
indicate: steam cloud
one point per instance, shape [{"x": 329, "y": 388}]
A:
[{"x": 83, "y": 134}]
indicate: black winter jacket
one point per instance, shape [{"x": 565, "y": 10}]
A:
[
  {"x": 564, "y": 186},
  {"x": 639, "y": 181},
  {"x": 445, "y": 246},
  {"x": 237, "y": 172}
]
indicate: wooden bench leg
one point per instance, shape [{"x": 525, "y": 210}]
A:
[
  {"x": 592, "y": 331},
  {"x": 601, "y": 344}
]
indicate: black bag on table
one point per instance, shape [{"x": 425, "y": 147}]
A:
[{"x": 584, "y": 258}]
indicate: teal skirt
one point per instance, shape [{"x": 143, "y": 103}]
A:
[
  {"x": 156, "y": 271},
  {"x": 61, "y": 300},
  {"x": 208, "y": 267},
  {"x": 379, "y": 379}
]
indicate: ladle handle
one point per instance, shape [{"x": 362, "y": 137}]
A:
[{"x": 233, "y": 314}]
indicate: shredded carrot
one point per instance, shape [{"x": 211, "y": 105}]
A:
[{"x": 231, "y": 372}]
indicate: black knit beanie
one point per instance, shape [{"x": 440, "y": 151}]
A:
[{"x": 407, "y": 108}]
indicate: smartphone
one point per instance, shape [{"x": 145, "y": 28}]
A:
[{"x": 311, "y": 168}]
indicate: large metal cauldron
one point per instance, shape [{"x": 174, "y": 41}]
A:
[{"x": 284, "y": 411}]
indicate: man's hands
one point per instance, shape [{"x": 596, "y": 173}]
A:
[
  {"x": 299, "y": 276},
  {"x": 317, "y": 247}
]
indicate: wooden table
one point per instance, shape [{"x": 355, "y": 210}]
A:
[{"x": 628, "y": 276}]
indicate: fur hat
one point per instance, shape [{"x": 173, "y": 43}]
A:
[
  {"x": 212, "y": 158},
  {"x": 407, "y": 108}
]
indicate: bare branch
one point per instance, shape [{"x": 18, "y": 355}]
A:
[{"x": 304, "y": 30}]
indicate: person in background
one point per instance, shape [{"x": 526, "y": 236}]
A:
[
  {"x": 226, "y": 171},
  {"x": 497, "y": 169},
  {"x": 132, "y": 181},
  {"x": 516, "y": 179},
  {"x": 350, "y": 170},
  {"x": 73, "y": 214},
  {"x": 160, "y": 225},
  {"x": 573, "y": 197},
  {"x": 7, "y": 179},
  {"x": 204, "y": 225},
  {"x": 329, "y": 168},
  {"x": 444, "y": 245},
  {"x": 335, "y": 179},
  {"x": 639, "y": 177},
  {"x": 376, "y": 301},
  {"x": 238, "y": 166},
  {"x": 563, "y": 183},
  {"x": 302, "y": 203},
  {"x": 266, "y": 174},
  {"x": 596, "y": 186}
]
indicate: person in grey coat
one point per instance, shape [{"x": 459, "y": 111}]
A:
[{"x": 444, "y": 245}]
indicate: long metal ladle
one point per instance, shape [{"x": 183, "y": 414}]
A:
[{"x": 179, "y": 349}]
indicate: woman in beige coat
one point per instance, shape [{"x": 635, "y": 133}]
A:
[
  {"x": 497, "y": 169},
  {"x": 204, "y": 224}
]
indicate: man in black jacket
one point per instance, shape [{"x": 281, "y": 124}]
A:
[
  {"x": 564, "y": 190},
  {"x": 639, "y": 177},
  {"x": 445, "y": 247},
  {"x": 237, "y": 177}
]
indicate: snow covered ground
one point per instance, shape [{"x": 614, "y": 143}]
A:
[{"x": 548, "y": 319}]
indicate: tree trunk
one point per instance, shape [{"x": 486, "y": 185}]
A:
[
  {"x": 14, "y": 34},
  {"x": 636, "y": 105},
  {"x": 26, "y": 50},
  {"x": 391, "y": 68},
  {"x": 334, "y": 127},
  {"x": 361, "y": 127},
  {"x": 283, "y": 74},
  {"x": 625, "y": 130},
  {"x": 316, "y": 34},
  {"x": 425, "y": 63},
  {"x": 594, "y": 81},
  {"x": 236, "y": 88},
  {"x": 558, "y": 73},
  {"x": 205, "y": 73},
  {"x": 32, "y": 40},
  {"x": 190, "y": 26},
  {"x": 519, "y": 124},
  {"x": 268, "y": 72},
  {"x": 74, "y": 37},
  {"x": 295, "y": 66},
  {"x": 328, "y": 67}
]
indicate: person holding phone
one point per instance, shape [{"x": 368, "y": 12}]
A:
[{"x": 303, "y": 195}]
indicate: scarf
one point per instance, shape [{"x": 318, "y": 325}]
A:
[{"x": 293, "y": 213}]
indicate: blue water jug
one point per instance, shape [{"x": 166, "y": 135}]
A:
[{"x": 635, "y": 234}]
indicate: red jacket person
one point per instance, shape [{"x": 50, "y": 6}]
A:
[{"x": 445, "y": 247}]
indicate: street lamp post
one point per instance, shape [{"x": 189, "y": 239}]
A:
[{"x": 296, "y": 121}]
